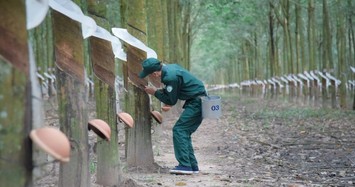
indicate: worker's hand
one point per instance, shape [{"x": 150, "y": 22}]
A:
[{"x": 150, "y": 90}]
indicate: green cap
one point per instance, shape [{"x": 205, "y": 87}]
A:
[{"x": 150, "y": 65}]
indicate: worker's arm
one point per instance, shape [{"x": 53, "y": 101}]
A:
[{"x": 169, "y": 94}]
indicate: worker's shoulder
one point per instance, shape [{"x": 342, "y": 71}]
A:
[{"x": 171, "y": 71}]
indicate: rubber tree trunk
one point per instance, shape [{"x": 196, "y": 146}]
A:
[
  {"x": 173, "y": 45},
  {"x": 175, "y": 27},
  {"x": 272, "y": 42},
  {"x": 155, "y": 39},
  {"x": 15, "y": 97},
  {"x": 41, "y": 39},
  {"x": 139, "y": 145},
  {"x": 185, "y": 29},
  {"x": 72, "y": 99},
  {"x": 166, "y": 45},
  {"x": 108, "y": 160},
  {"x": 327, "y": 63},
  {"x": 297, "y": 40},
  {"x": 42, "y": 43},
  {"x": 341, "y": 46},
  {"x": 311, "y": 32},
  {"x": 106, "y": 14}
]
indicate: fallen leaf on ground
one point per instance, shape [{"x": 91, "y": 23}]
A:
[{"x": 180, "y": 184}]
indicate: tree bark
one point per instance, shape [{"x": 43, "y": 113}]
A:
[
  {"x": 72, "y": 99},
  {"x": 341, "y": 46},
  {"x": 327, "y": 53},
  {"x": 139, "y": 145},
  {"x": 15, "y": 97},
  {"x": 311, "y": 35},
  {"x": 105, "y": 13},
  {"x": 272, "y": 41},
  {"x": 155, "y": 35},
  {"x": 108, "y": 159}
]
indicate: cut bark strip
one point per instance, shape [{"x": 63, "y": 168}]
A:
[
  {"x": 155, "y": 81},
  {"x": 136, "y": 57},
  {"x": 67, "y": 46},
  {"x": 13, "y": 37},
  {"x": 104, "y": 75},
  {"x": 140, "y": 83},
  {"x": 66, "y": 62},
  {"x": 103, "y": 60}
]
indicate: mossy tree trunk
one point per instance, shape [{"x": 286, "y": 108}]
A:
[
  {"x": 72, "y": 99},
  {"x": 15, "y": 97},
  {"x": 311, "y": 31},
  {"x": 155, "y": 27},
  {"x": 175, "y": 33},
  {"x": 327, "y": 62},
  {"x": 351, "y": 44},
  {"x": 299, "y": 42},
  {"x": 42, "y": 41},
  {"x": 106, "y": 14},
  {"x": 171, "y": 28},
  {"x": 341, "y": 47},
  {"x": 272, "y": 68},
  {"x": 166, "y": 45},
  {"x": 139, "y": 145},
  {"x": 108, "y": 159},
  {"x": 185, "y": 29},
  {"x": 155, "y": 38}
]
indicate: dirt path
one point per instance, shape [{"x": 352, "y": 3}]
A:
[
  {"x": 261, "y": 143},
  {"x": 207, "y": 143},
  {"x": 257, "y": 142}
]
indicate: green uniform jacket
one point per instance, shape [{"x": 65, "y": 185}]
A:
[{"x": 179, "y": 84}]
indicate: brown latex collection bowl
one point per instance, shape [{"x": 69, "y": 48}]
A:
[
  {"x": 101, "y": 128},
  {"x": 165, "y": 108},
  {"x": 126, "y": 119},
  {"x": 157, "y": 116},
  {"x": 52, "y": 141}
]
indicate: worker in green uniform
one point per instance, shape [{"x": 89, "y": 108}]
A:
[{"x": 178, "y": 84}]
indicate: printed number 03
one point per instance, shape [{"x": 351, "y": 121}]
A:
[{"x": 215, "y": 107}]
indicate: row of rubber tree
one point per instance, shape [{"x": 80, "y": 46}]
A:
[
  {"x": 313, "y": 85},
  {"x": 265, "y": 39},
  {"x": 58, "y": 43}
]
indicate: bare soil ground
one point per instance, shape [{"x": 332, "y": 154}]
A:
[{"x": 257, "y": 142}]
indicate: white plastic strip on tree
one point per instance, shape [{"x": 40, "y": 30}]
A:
[
  {"x": 319, "y": 83},
  {"x": 36, "y": 11},
  {"x": 304, "y": 77},
  {"x": 128, "y": 38},
  {"x": 327, "y": 84},
  {"x": 308, "y": 75},
  {"x": 352, "y": 69},
  {"x": 331, "y": 77},
  {"x": 278, "y": 82},
  {"x": 115, "y": 42},
  {"x": 73, "y": 11},
  {"x": 89, "y": 27}
]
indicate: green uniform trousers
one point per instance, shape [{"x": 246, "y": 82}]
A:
[{"x": 187, "y": 124}]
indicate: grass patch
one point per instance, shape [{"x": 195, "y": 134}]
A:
[{"x": 92, "y": 167}]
